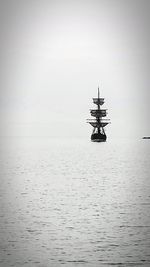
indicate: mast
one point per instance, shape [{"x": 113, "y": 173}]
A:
[
  {"x": 98, "y": 123},
  {"x": 98, "y": 118}
]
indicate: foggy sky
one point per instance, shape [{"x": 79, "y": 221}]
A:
[{"x": 54, "y": 54}]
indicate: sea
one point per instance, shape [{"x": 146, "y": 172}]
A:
[{"x": 74, "y": 203}]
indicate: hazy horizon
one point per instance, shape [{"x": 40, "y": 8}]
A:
[{"x": 54, "y": 54}]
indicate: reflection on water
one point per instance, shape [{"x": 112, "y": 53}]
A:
[{"x": 74, "y": 203}]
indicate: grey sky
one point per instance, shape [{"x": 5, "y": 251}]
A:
[{"x": 55, "y": 53}]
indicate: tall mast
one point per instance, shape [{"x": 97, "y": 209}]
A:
[
  {"x": 98, "y": 99},
  {"x": 98, "y": 118},
  {"x": 98, "y": 113},
  {"x": 98, "y": 123}
]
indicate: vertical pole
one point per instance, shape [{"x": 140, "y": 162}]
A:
[
  {"x": 98, "y": 119},
  {"x": 98, "y": 99}
]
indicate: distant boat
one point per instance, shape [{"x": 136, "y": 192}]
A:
[
  {"x": 98, "y": 123},
  {"x": 146, "y": 137}
]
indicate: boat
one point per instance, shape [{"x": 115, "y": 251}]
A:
[
  {"x": 146, "y": 137},
  {"x": 98, "y": 123}
]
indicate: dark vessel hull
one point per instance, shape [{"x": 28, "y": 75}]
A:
[{"x": 98, "y": 137}]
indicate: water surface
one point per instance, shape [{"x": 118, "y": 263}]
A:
[{"x": 74, "y": 203}]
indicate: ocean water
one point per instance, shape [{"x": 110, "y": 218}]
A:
[{"x": 74, "y": 203}]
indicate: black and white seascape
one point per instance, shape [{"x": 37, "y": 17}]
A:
[
  {"x": 75, "y": 203},
  {"x": 64, "y": 200}
]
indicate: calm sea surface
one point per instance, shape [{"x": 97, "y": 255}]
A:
[{"x": 74, "y": 203}]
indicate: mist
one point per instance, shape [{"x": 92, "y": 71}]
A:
[{"x": 54, "y": 54}]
